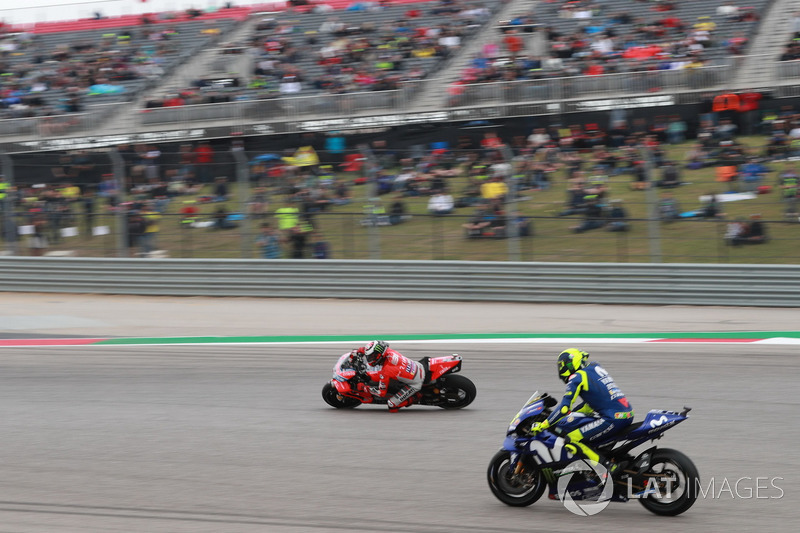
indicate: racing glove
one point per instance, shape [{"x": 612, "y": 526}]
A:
[{"x": 538, "y": 428}]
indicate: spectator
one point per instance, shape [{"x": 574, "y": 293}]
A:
[
  {"x": 789, "y": 183},
  {"x": 37, "y": 241},
  {"x": 668, "y": 208},
  {"x": 676, "y": 131},
  {"x": 298, "y": 237},
  {"x": 288, "y": 215},
  {"x": 494, "y": 189},
  {"x": 639, "y": 182},
  {"x": 204, "y": 162},
  {"x": 752, "y": 174},
  {"x": 222, "y": 219},
  {"x": 478, "y": 223},
  {"x": 753, "y": 232},
  {"x": 593, "y": 216},
  {"x": 397, "y": 211},
  {"x": 729, "y": 11},
  {"x": 136, "y": 228},
  {"x": 148, "y": 236},
  {"x": 88, "y": 202},
  {"x": 269, "y": 241},
  {"x": 441, "y": 204},
  {"x": 710, "y": 208},
  {"x": 188, "y": 212},
  {"x": 258, "y": 203},
  {"x": 670, "y": 176},
  {"x": 618, "y": 217},
  {"x": 734, "y": 230},
  {"x": 513, "y": 43},
  {"x": 108, "y": 190},
  {"x": 341, "y": 194},
  {"x": 221, "y": 189},
  {"x": 320, "y": 248}
]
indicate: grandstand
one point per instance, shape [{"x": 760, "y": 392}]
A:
[{"x": 336, "y": 59}]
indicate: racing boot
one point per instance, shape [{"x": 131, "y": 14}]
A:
[
  {"x": 403, "y": 398},
  {"x": 393, "y": 407}
]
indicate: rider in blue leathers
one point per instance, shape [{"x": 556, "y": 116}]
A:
[{"x": 590, "y": 391}]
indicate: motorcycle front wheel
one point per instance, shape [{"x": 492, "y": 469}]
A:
[
  {"x": 332, "y": 398},
  {"x": 516, "y": 490},
  {"x": 457, "y": 392},
  {"x": 673, "y": 481}
]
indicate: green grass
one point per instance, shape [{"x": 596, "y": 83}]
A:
[{"x": 424, "y": 237}]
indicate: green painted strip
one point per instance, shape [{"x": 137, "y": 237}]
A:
[{"x": 452, "y": 336}]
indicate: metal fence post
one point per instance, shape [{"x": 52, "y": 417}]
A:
[
  {"x": 10, "y": 234},
  {"x": 653, "y": 218},
  {"x": 118, "y": 166},
  {"x": 512, "y": 234},
  {"x": 243, "y": 190},
  {"x": 371, "y": 191}
]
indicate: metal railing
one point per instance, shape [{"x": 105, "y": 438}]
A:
[
  {"x": 277, "y": 107},
  {"x": 788, "y": 70},
  {"x": 680, "y": 284},
  {"x": 565, "y": 88}
]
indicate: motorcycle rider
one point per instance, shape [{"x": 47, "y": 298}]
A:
[
  {"x": 599, "y": 397},
  {"x": 392, "y": 365}
]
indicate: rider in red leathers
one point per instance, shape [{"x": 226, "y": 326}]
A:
[{"x": 392, "y": 365}]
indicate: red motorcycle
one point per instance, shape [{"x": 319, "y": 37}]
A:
[{"x": 442, "y": 387}]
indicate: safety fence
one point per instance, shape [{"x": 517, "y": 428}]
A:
[
  {"x": 679, "y": 284},
  {"x": 218, "y": 210},
  {"x": 214, "y": 232}
]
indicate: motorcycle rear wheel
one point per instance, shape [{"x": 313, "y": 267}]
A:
[
  {"x": 458, "y": 392},
  {"x": 667, "y": 463},
  {"x": 332, "y": 398},
  {"x": 508, "y": 490}
]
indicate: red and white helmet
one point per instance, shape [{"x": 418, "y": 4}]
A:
[{"x": 375, "y": 352}]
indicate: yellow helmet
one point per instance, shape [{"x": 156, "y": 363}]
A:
[{"x": 570, "y": 361}]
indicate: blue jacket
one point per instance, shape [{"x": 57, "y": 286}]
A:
[{"x": 598, "y": 392}]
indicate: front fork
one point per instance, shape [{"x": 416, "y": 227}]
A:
[{"x": 519, "y": 468}]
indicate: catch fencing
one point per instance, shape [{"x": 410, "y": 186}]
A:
[
  {"x": 607, "y": 283},
  {"x": 357, "y": 235}
]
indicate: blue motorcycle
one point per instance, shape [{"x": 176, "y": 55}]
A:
[{"x": 665, "y": 481}]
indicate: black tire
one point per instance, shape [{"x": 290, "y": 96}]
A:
[
  {"x": 459, "y": 392},
  {"x": 667, "y": 461},
  {"x": 333, "y": 399},
  {"x": 509, "y": 491}
]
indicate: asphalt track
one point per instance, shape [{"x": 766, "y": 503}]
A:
[{"x": 237, "y": 438}]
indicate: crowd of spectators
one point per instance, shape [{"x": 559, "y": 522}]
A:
[
  {"x": 39, "y": 80},
  {"x": 791, "y": 50},
  {"x": 353, "y": 56},
  {"x": 46, "y": 74},
  {"x": 652, "y": 38},
  {"x": 339, "y": 52}
]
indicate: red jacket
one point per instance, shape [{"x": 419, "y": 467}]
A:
[
  {"x": 395, "y": 366},
  {"x": 205, "y": 154}
]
